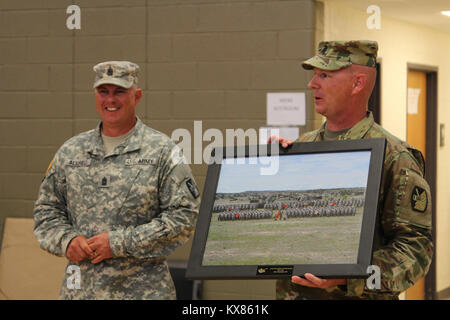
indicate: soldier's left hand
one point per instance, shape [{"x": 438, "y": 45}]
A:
[
  {"x": 312, "y": 281},
  {"x": 100, "y": 245}
]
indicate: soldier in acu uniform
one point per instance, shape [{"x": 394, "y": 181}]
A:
[
  {"x": 116, "y": 200},
  {"x": 344, "y": 76}
]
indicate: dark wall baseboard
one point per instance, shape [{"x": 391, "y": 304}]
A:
[{"x": 443, "y": 294}]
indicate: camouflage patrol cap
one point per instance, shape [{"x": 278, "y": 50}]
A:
[
  {"x": 120, "y": 73},
  {"x": 335, "y": 55}
]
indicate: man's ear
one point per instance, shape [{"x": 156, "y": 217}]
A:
[
  {"x": 138, "y": 95},
  {"x": 359, "y": 83}
]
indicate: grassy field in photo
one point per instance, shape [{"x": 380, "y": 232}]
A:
[{"x": 308, "y": 240}]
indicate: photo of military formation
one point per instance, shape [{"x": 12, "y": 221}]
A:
[
  {"x": 282, "y": 207},
  {"x": 320, "y": 226}
]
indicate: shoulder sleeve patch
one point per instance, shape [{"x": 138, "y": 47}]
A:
[
  {"x": 419, "y": 199},
  {"x": 413, "y": 203}
]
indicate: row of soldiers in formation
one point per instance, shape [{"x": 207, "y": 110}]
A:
[
  {"x": 287, "y": 213},
  {"x": 238, "y": 206},
  {"x": 314, "y": 203},
  {"x": 278, "y": 205}
]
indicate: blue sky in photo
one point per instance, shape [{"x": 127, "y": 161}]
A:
[{"x": 298, "y": 172}]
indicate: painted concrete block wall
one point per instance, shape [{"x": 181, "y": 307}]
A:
[{"x": 212, "y": 61}]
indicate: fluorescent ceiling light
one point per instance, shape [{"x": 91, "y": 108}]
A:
[{"x": 446, "y": 13}]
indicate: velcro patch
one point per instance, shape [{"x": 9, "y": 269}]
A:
[
  {"x": 78, "y": 163},
  {"x": 419, "y": 199},
  {"x": 192, "y": 188},
  {"x": 139, "y": 161}
]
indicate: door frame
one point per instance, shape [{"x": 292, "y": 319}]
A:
[
  {"x": 430, "y": 160},
  {"x": 374, "y": 104}
]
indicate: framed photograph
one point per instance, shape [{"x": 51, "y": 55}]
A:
[{"x": 310, "y": 208}]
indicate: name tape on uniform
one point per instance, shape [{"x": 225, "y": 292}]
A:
[
  {"x": 78, "y": 163},
  {"x": 139, "y": 161}
]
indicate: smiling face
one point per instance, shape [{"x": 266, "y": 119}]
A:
[
  {"x": 332, "y": 91},
  {"x": 116, "y": 107}
]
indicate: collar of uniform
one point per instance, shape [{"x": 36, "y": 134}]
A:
[
  {"x": 133, "y": 142},
  {"x": 96, "y": 144},
  {"x": 358, "y": 131}
]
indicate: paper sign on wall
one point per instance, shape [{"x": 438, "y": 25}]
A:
[
  {"x": 413, "y": 100},
  {"x": 286, "y": 108}
]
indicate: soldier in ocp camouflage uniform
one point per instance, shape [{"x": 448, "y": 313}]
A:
[
  {"x": 117, "y": 205},
  {"x": 343, "y": 80}
]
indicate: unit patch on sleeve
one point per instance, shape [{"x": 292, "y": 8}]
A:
[{"x": 419, "y": 199}]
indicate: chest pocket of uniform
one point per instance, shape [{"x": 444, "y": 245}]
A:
[
  {"x": 141, "y": 201},
  {"x": 81, "y": 190}
]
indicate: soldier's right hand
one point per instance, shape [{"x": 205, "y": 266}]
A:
[
  {"x": 283, "y": 141},
  {"x": 78, "y": 249}
]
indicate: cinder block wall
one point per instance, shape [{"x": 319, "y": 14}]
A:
[{"x": 201, "y": 60}]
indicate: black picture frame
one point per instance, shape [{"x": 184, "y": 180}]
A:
[{"x": 199, "y": 269}]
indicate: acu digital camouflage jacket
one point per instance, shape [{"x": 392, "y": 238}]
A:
[{"x": 143, "y": 196}]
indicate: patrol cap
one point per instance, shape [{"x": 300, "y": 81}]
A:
[
  {"x": 335, "y": 55},
  {"x": 120, "y": 73}
]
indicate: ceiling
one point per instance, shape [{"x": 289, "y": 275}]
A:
[{"x": 424, "y": 12}]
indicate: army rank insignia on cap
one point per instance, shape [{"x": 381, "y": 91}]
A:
[
  {"x": 419, "y": 199},
  {"x": 323, "y": 50},
  {"x": 192, "y": 188}
]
